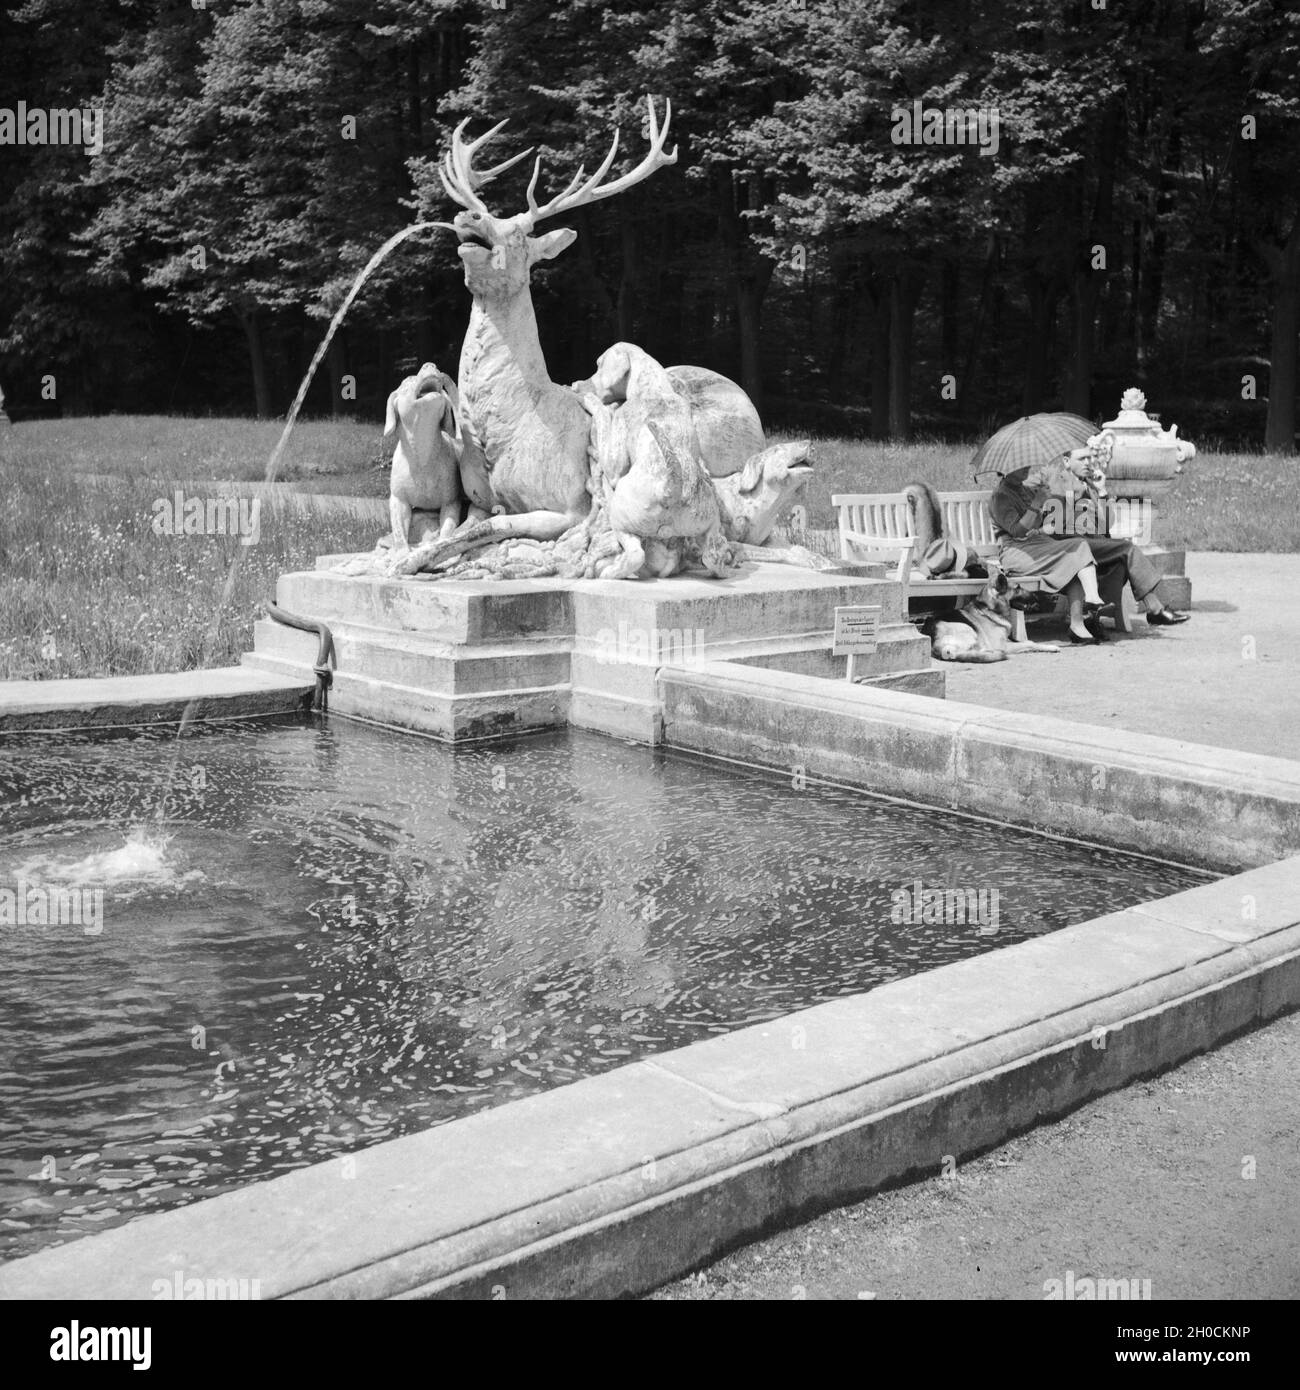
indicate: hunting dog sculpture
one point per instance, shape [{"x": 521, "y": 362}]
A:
[
  {"x": 435, "y": 469},
  {"x": 661, "y": 501}
]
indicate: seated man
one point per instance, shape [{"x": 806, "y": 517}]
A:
[{"x": 1068, "y": 564}]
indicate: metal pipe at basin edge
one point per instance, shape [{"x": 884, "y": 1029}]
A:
[{"x": 325, "y": 657}]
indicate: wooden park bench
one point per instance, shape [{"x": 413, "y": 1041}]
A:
[{"x": 876, "y": 526}]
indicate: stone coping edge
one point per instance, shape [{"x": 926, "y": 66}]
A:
[
  {"x": 1177, "y": 800},
  {"x": 609, "y": 1186},
  {"x": 115, "y": 702}
]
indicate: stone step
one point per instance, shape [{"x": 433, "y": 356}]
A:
[
  {"x": 1166, "y": 562},
  {"x": 467, "y": 611},
  {"x": 929, "y": 681},
  {"x": 425, "y": 663},
  {"x": 899, "y": 646},
  {"x": 775, "y": 600},
  {"x": 1175, "y": 591},
  {"x": 456, "y": 718}
]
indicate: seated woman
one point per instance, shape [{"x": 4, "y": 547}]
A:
[{"x": 1069, "y": 564}]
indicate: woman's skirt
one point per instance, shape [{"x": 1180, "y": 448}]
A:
[{"x": 1056, "y": 559}]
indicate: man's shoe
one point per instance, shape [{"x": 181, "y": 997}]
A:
[{"x": 1166, "y": 617}]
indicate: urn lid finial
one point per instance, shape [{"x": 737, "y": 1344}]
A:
[{"x": 1133, "y": 399}]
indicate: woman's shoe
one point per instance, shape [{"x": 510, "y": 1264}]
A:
[
  {"x": 1077, "y": 641},
  {"x": 1166, "y": 617},
  {"x": 1093, "y": 609},
  {"x": 1099, "y": 633}
]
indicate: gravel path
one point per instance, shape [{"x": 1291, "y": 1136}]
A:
[
  {"x": 1145, "y": 1183},
  {"x": 1230, "y": 677}
]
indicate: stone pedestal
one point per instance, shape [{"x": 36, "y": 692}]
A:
[
  {"x": 1137, "y": 499},
  {"x": 472, "y": 659}
]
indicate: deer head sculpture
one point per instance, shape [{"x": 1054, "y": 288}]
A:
[
  {"x": 532, "y": 430},
  {"x": 499, "y": 252}
]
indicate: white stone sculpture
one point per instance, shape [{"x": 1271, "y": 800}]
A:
[
  {"x": 533, "y": 431},
  {"x": 754, "y": 499},
  {"x": 645, "y": 459},
  {"x": 435, "y": 469},
  {"x": 609, "y": 478},
  {"x": 728, "y": 431}
]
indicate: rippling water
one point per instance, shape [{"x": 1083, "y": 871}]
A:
[{"x": 312, "y": 938}]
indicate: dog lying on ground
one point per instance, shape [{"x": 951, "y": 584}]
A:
[{"x": 980, "y": 629}]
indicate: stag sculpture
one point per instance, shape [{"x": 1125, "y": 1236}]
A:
[{"x": 533, "y": 431}]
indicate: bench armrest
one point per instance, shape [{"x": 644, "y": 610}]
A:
[{"x": 902, "y": 544}]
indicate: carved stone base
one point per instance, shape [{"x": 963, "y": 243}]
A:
[
  {"x": 1175, "y": 587},
  {"x": 466, "y": 660}
]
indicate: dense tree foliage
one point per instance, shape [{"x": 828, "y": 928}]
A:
[{"x": 1133, "y": 216}]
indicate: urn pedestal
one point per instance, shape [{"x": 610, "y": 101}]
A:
[{"x": 1144, "y": 462}]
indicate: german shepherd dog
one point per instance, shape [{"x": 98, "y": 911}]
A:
[{"x": 980, "y": 628}]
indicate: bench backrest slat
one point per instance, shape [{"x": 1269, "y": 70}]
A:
[{"x": 965, "y": 515}]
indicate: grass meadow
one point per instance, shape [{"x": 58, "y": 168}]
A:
[{"x": 88, "y": 588}]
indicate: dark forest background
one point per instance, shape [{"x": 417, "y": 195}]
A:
[{"x": 1139, "y": 224}]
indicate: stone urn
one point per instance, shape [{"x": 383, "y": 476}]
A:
[{"x": 1145, "y": 459}]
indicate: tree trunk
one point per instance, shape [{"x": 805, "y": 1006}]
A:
[
  {"x": 337, "y": 361},
  {"x": 751, "y": 273},
  {"x": 1042, "y": 304},
  {"x": 1284, "y": 271},
  {"x": 1087, "y": 280},
  {"x": 877, "y": 295},
  {"x": 750, "y": 289},
  {"x": 949, "y": 308},
  {"x": 627, "y": 281},
  {"x": 257, "y": 363},
  {"x": 1153, "y": 266},
  {"x": 904, "y": 291},
  {"x": 966, "y": 381},
  {"x": 426, "y": 342},
  {"x": 1077, "y": 391}
]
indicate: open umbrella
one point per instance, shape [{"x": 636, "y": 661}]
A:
[{"x": 1032, "y": 439}]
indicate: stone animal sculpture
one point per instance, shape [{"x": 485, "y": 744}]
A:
[
  {"x": 728, "y": 432},
  {"x": 533, "y": 431},
  {"x": 754, "y": 499},
  {"x": 434, "y": 468},
  {"x": 661, "y": 501}
]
